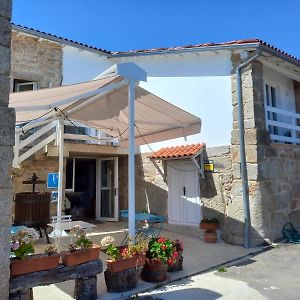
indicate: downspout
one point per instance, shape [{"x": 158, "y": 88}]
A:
[{"x": 244, "y": 175}]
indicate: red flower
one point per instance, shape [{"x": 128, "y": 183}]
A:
[
  {"x": 161, "y": 240},
  {"x": 175, "y": 254},
  {"x": 170, "y": 261},
  {"x": 163, "y": 247}
]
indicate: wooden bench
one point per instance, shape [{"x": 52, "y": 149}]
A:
[{"x": 85, "y": 276}]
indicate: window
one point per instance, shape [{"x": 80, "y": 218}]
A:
[
  {"x": 24, "y": 85},
  {"x": 271, "y": 100}
]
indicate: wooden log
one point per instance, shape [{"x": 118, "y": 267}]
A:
[
  {"x": 122, "y": 281},
  {"x": 86, "y": 288},
  {"x": 62, "y": 273}
]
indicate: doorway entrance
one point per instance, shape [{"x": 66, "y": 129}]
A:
[
  {"x": 94, "y": 183},
  {"x": 184, "y": 206}
]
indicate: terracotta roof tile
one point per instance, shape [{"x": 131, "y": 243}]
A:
[{"x": 178, "y": 151}]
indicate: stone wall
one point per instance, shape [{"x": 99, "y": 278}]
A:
[
  {"x": 216, "y": 187},
  {"x": 7, "y": 124},
  {"x": 41, "y": 165},
  {"x": 149, "y": 184},
  {"x": 35, "y": 59}
]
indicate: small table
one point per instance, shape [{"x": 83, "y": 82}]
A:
[
  {"x": 151, "y": 219},
  {"x": 61, "y": 227}
]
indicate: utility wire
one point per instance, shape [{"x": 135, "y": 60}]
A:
[
  {"x": 84, "y": 133},
  {"x": 143, "y": 138}
]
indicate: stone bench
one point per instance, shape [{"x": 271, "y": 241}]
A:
[{"x": 85, "y": 276}]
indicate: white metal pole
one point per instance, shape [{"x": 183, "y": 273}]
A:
[
  {"x": 131, "y": 161},
  {"x": 61, "y": 166}
]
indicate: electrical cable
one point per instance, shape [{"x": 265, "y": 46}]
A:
[{"x": 143, "y": 138}]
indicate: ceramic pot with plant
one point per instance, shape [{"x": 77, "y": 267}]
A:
[
  {"x": 160, "y": 254},
  {"x": 178, "y": 261},
  {"x": 22, "y": 259},
  {"x": 124, "y": 264},
  {"x": 81, "y": 248}
]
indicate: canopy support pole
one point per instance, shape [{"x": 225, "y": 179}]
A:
[
  {"x": 61, "y": 165},
  {"x": 131, "y": 161}
]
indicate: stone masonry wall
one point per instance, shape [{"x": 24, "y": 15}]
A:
[
  {"x": 7, "y": 124},
  {"x": 35, "y": 59},
  {"x": 216, "y": 187},
  {"x": 41, "y": 165},
  {"x": 273, "y": 169},
  {"x": 149, "y": 184}
]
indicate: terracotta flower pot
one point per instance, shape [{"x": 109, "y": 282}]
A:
[
  {"x": 209, "y": 226},
  {"x": 80, "y": 256},
  {"x": 154, "y": 270},
  {"x": 34, "y": 263},
  {"x": 124, "y": 264},
  {"x": 210, "y": 236}
]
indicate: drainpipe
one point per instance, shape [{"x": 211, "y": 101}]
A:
[{"x": 244, "y": 175}]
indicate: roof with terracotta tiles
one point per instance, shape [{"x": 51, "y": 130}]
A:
[
  {"x": 50, "y": 36},
  {"x": 178, "y": 151},
  {"x": 254, "y": 41}
]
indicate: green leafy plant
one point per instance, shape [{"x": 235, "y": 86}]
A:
[
  {"x": 222, "y": 270},
  {"x": 133, "y": 249},
  {"x": 82, "y": 241},
  {"x": 162, "y": 249},
  {"x": 21, "y": 245}
]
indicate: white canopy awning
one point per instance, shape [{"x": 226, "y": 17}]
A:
[
  {"x": 103, "y": 104},
  {"x": 115, "y": 104}
]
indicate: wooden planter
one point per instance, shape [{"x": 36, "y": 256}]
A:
[
  {"x": 80, "y": 256},
  {"x": 124, "y": 264},
  {"x": 177, "y": 266},
  {"x": 154, "y": 270},
  {"x": 209, "y": 226},
  {"x": 126, "y": 280},
  {"x": 33, "y": 263}
]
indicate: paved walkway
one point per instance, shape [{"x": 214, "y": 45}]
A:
[
  {"x": 273, "y": 275},
  {"x": 198, "y": 257}
]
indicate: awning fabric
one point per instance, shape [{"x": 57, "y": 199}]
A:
[{"x": 155, "y": 119}]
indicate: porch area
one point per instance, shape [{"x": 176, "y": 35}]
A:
[{"x": 198, "y": 257}]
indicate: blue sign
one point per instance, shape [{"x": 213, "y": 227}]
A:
[{"x": 52, "y": 181}]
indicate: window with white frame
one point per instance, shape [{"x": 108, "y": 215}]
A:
[
  {"x": 271, "y": 101},
  {"x": 21, "y": 85}
]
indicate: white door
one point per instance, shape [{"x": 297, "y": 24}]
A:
[
  {"x": 107, "y": 204},
  {"x": 184, "y": 193}
]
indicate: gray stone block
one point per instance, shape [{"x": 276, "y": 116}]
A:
[
  {"x": 5, "y": 60},
  {"x": 7, "y": 126},
  {"x": 6, "y": 157},
  {"x": 6, "y": 9},
  {"x": 5, "y": 32},
  {"x": 4, "y": 90}
]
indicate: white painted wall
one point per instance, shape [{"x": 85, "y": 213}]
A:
[
  {"x": 199, "y": 84},
  {"x": 81, "y": 65}
]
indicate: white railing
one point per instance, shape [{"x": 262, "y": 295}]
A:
[
  {"x": 283, "y": 125},
  {"x": 32, "y": 138}
]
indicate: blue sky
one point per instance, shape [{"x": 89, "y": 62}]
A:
[{"x": 138, "y": 24}]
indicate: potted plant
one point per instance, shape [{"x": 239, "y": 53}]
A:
[
  {"x": 210, "y": 225},
  {"x": 22, "y": 259},
  {"x": 81, "y": 249},
  {"x": 124, "y": 264},
  {"x": 177, "y": 248},
  {"x": 160, "y": 254}
]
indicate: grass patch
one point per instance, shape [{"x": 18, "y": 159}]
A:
[{"x": 222, "y": 270}]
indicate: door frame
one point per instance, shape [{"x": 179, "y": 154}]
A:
[{"x": 98, "y": 189}]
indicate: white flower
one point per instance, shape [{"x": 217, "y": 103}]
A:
[{"x": 107, "y": 240}]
